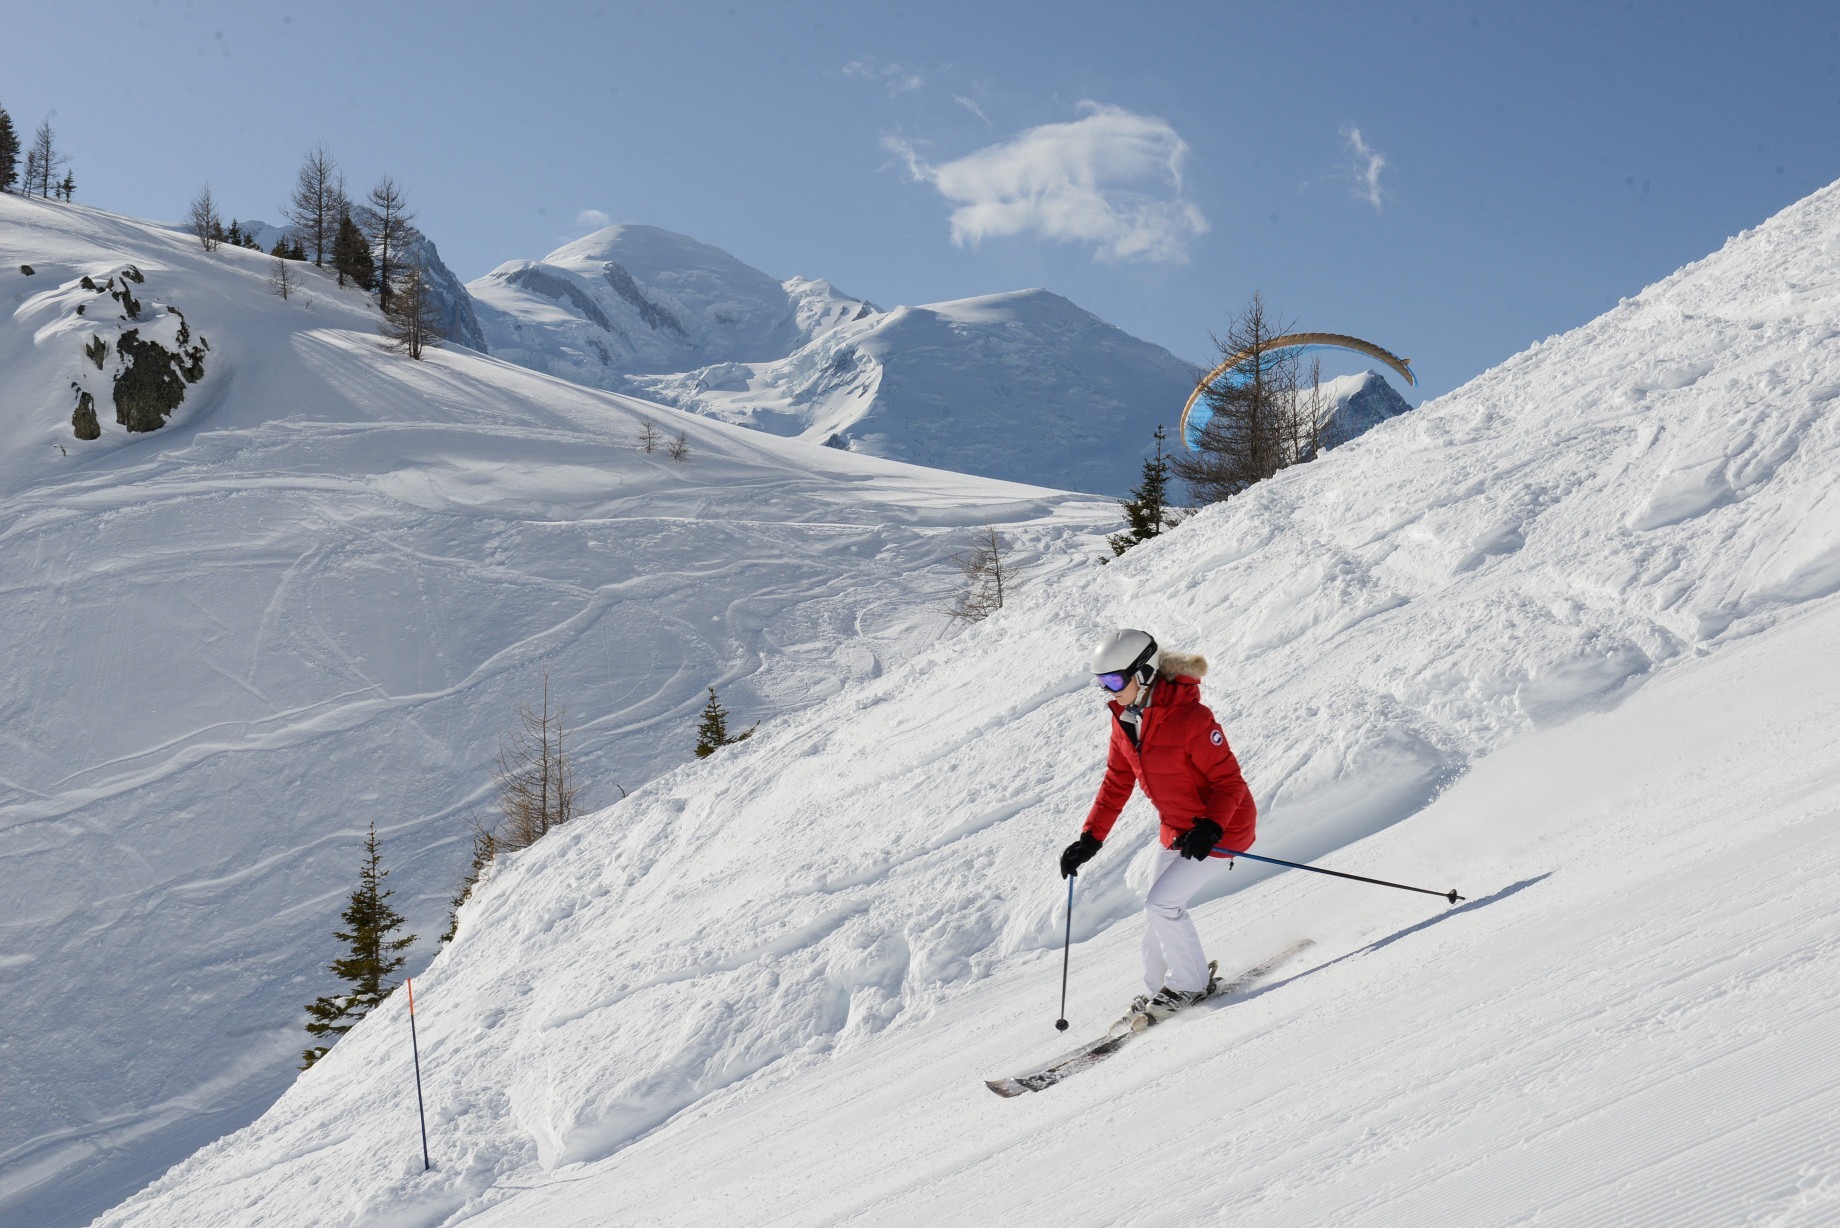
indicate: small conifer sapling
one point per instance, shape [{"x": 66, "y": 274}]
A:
[
  {"x": 373, "y": 955},
  {"x": 712, "y": 731}
]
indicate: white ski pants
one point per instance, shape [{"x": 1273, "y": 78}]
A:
[{"x": 1172, "y": 948}]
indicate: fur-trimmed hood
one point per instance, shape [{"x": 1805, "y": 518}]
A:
[{"x": 1175, "y": 664}]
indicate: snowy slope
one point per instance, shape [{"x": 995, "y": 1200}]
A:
[
  {"x": 1561, "y": 639},
  {"x": 1025, "y": 386},
  {"x": 314, "y": 599}
]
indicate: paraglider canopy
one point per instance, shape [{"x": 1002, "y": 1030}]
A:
[{"x": 1191, "y": 424}]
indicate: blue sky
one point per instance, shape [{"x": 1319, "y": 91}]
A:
[{"x": 1453, "y": 181}]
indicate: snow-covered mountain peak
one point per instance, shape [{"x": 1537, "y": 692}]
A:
[
  {"x": 629, "y": 299},
  {"x": 652, "y": 253}
]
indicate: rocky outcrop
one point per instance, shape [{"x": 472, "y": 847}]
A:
[
  {"x": 143, "y": 360},
  {"x": 147, "y": 386},
  {"x": 83, "y": 419}
]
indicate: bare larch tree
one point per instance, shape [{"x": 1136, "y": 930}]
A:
[
  {"x": 984, "y": 571},
  {"x": 318, "y": 202},
  {"x": 42, "y": 161},
  {"x": 204, "y": 220},
  {"x": 1261, "y": 416},
  {"x": 411, "y": 317},
  {"x": 282, "y": 279},
  {"x": 536, "y": 781},
  {"x": 385, "y": 220}
]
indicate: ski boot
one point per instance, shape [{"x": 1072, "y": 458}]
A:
[{"x": 1148, "y": 1010}]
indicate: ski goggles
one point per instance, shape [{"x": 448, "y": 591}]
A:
[{"x": 1114, "y": 682}]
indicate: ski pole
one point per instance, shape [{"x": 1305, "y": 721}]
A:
[
  {"x": 1450, "y": 895},
  {"x": 416, "y": 1049},
  {"x": 1066, "y": 954}
]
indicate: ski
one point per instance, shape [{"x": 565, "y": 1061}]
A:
[{"x": 1094, "y": 1052}]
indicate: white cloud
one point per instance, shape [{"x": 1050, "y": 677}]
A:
[
  {"x": 972, "y": 107},
  {"x": 592, "y": 219},
  {"x": 891, "y": 77},
  {"x": 1368, "y": 163},
  {"x": 1111, "y": 179}
]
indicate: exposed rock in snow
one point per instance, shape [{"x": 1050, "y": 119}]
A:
[{"x": 135, "y": 350}]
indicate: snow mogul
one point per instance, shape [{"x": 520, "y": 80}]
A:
[{"x": 1165, "y": 739}]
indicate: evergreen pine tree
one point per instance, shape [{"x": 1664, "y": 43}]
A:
[
  {"x": 374, "y": 956},
  {"x": 1147, "y": 510},
  {"x": 712, "y": 731},
  {"x": 67, "y": 186},
  {"x": 234, "y": 235},
  {"x": 485, "y": 851},
  {"x": 9, "y": 152},
  {"x": 351, "y": 255}
]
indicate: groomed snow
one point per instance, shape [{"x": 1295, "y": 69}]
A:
[
  {"x": 314, "y": 599},
  {"x": 1561, "y": 639}
]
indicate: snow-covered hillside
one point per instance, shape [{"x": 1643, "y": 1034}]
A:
[
  {"x": 1561, "y": 639},
  {"x": 1026, "y": 386},
  {"x": 453, "y": 306},
  {"x": 312, "y": 600}
]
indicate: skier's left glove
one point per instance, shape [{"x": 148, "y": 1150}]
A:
[{"x": 1197, "y": 843}]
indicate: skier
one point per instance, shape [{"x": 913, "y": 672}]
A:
[{"x": 1165, "y": 739}]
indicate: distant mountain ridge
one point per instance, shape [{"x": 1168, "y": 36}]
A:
[{"x": 1025, "y": 386}]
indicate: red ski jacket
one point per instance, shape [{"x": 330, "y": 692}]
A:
[{"x": 1185, "y": 766}]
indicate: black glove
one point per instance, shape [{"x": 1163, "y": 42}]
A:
[
  {"x": 1197, "y": 843},
  {"x": 1079, "y": 853}
]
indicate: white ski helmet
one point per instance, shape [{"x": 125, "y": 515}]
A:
[{"x": 1126, "y": 651}]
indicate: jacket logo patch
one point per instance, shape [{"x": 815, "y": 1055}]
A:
[{"x": 1217, "y": 738}]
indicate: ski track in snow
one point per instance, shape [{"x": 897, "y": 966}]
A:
[{"x": 1562, "y": 639}]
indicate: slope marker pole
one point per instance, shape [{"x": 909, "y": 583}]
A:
[{"x": 415, "y": 1047}]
